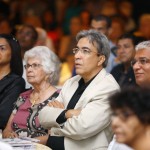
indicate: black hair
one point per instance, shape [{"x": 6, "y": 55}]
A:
[
  {"x": 16, "y": 65},
  {"x": 103, "y": 18},
  {"x": 135, "y": 99},
  {"x": 131, "y": 36}
]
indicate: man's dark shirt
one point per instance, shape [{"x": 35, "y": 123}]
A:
[
  {"x": 123, "y": 79},
  {"x": 57, "y": 143}
]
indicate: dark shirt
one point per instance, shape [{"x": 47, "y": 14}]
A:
[
  {"x": 10, "y": 88},
  {"x": 57, "y": 143},
  {"x": 123, "y": 78}
]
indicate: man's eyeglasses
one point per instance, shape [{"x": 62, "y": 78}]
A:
[
  {"x": 34, "y": 66},
  {"x": 141, "y": 61},
  {"x": 84, "y": 51},
  {"x": 124, "y": 115}
]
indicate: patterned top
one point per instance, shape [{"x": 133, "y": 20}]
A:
[{"x": 25, "y": 121}]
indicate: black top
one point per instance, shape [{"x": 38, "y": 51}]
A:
[
  {"x": 10, "y": 88},
  {"x": 123, "y": 79},
  {"x": 57, "y": 143}
]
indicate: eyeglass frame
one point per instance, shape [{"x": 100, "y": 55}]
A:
[
  {"x": 141, "y": 61},
  {"x": 84, "y": 50},
  {"x": 33, "y": 66},
  {"x": 124, "y": 115}
]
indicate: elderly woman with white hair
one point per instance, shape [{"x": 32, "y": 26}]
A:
[{"x": 41, "y": 72}]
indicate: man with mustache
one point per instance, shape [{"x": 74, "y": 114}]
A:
[
  {"x": 141, "y": 64},
  {"x": 79, "y": 118}
]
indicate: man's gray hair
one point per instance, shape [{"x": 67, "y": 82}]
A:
[
  {"x": 143, "y": 45},
  {"x": 101, "y": 41},
  {"x": 49, "y": 60}
]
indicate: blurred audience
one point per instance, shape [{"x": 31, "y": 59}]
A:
[
  {"x": 125, "y": 10},
  {"x": 5, "y": 26},
  {"x": 144, "y": 26},
  {"x": 102, "y": 24},
  {"x": 11, "y": 81},
  {"x": 67, "y": 43},
  {"x": 27, "y": 37},
  {"x": 117, "y": 29},
  {"x": 40, "y": 70},
  {"x": 43, "y": 39}
]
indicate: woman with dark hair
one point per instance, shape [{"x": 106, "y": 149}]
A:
[
  {"x": 131, "y": 117},
  {"x": 11, "y": 81}
]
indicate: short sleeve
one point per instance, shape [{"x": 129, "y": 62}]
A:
[{"x": 19, "y": 102}]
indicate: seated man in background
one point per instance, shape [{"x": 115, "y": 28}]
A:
[
  {"x": 131, "y": 117},
  {"x": 123, "y": 72},
  {"x": 81, "y": 113}
]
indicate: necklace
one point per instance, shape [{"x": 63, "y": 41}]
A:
[{"x": 36, "y": 96}]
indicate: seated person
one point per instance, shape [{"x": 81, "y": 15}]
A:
[
  {"x": 131, "y": 117},
  {"x": 11, "y": 81},
  {"x": 123, "y": 72},
  {"x": 40, "y": 71},
  {"x": 81, "y": 112}
]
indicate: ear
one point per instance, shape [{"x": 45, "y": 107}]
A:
[{"x": 101, "y": 60}]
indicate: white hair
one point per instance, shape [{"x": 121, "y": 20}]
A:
[
  {"x": 49, "y": 60},
  {"x": 143, "y": 45}
]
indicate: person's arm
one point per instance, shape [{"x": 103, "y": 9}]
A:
[
  {"x": 42, "y": 139},
  {"x": 8, "y": 132},
  {"x": 9, "y": 98},
  {"x": 95, "y": 117}
]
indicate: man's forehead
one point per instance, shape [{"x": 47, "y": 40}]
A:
[{"x": 145, "y": 52}]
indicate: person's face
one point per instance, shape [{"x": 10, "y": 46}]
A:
[
  {"x": 4, "y": 27},
  {"x": 5, "y": 52},
  {"x": 25, "y": 38},
  {"x": 126, "y": 126},
  {"x": 87, "y": 61},
  {"x": 142, "y": 67},
  {"x": 126, "y": 50},
  {"x": 34, "y": 71},
  {"x": 75, "y": 25},
  {"x": 100, "y": 26}
]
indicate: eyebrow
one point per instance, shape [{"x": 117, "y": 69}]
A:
[
  {"x": 83, "y": 47},
  {"x": 143, "y": 57},
  {"x": 2, "y": 46}
]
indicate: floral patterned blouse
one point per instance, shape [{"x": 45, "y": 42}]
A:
[{"x": 25, "y": 121}]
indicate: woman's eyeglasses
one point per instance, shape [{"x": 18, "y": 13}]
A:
[{"x": 34, "y": 66}]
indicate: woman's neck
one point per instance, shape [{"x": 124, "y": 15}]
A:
[
  {"x": 4, "y": 71},
  {"x": 41, "y": 87},
  {"x": 42, "y": 92}
]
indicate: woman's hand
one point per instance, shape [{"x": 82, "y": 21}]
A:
[
  {"x": 9, "y": 134},
  {"x": 72, "y": 112},
  {"x": 56, "y": 104}
]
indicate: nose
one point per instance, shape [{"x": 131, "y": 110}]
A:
[
  {"x": 114, "y": 122},
  {"x": 78, "y": 54},
  {"x": 136, "y": 66}
]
